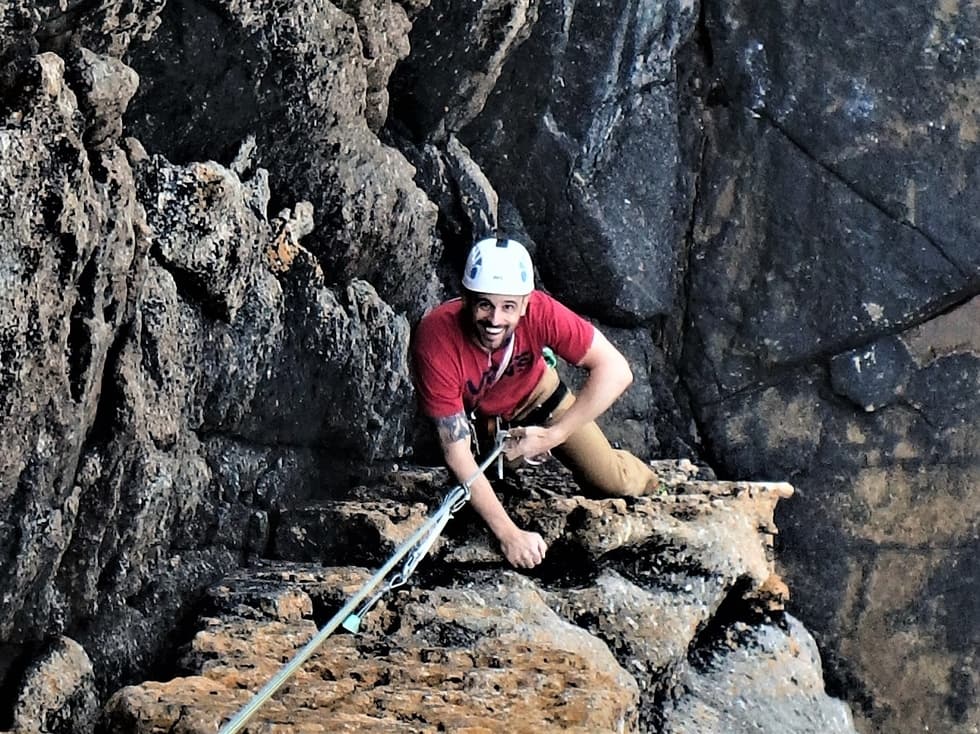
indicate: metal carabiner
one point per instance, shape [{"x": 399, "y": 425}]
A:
[{"x": 501, "y": 435}]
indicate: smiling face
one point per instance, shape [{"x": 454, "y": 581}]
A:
[{"x": 494, "y": 318}]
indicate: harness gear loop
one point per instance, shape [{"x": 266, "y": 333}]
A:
[{"x": 413, "y": 550}]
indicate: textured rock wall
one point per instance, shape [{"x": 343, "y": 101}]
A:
[
  {"x": 597, "y": 192},
  {"x": 831, "y": 333},
  {"x": 309, "y": 81},
  {"x": 174, "y": 364},
  {"x": 220, "y": 220}
]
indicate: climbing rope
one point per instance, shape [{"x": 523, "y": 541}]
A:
[{"x": 412, "y": 551}]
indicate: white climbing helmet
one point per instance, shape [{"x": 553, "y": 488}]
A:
[{"x": 499, "y": 266}]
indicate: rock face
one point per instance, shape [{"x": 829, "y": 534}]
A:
[
  {"x": 156, "y": 318},
  {"x": 832, "y": 331},
  {"x": 598, "y": 193},
  {"x": 597, "y": 641},
  {"x": 220, "y": 221},
  {"x": 309, "y": 82}
]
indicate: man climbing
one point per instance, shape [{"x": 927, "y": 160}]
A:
[{"x": 483, "y": 354}]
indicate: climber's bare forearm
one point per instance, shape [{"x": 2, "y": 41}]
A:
[{"x": 454, "y": 436}]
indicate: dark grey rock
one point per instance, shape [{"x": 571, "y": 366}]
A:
[
  {"x": 872, "y": 376},
  {"x": 106, "y": 27},
  {"x": 835, "y": 231},
  {"x": 70, "y": 253},
  {"x": 597, "y": 191},
  {"x": 307, "y": 82},
  {"x": 885, "y": 503},
  {"x": 775, "y": 287},
  {"x": 446, "y": 81},
  {"x": 880, "y": 98}
]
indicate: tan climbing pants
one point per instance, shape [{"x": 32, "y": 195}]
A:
[{"x": 594, "y": 463}]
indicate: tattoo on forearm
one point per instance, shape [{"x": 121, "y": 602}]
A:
[{"x": 453, "y": 428}]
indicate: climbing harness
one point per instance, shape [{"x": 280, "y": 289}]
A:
[{"x": 349, "y": 616}]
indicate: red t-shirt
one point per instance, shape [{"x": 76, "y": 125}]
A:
[{"x": 453, "y": 375}]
